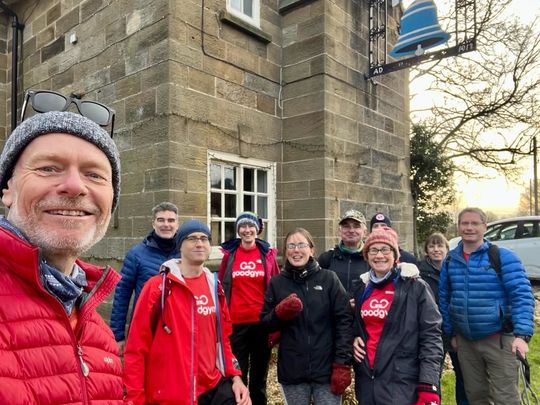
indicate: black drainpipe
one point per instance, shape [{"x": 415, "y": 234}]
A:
[{"x": 14, "y": 61}]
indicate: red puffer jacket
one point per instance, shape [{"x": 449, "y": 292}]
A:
[{"x": 42, "y": 361}]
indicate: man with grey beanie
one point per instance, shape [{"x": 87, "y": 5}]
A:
[{"x": 60, "y": 180}]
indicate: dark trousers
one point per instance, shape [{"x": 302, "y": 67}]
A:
[
  {"x": 221, "y": 394},
  {"x": 249, "y": 343}
]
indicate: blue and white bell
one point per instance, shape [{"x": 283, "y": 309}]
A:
[{"x": 420, "y": 30}]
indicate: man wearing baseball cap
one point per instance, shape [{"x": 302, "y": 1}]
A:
[
  {"x": 346, "y": 258},
  {"x": 178, "y": 349},
  {"x": 380, "y": 220},
  {"x": 60, "y": 180}
]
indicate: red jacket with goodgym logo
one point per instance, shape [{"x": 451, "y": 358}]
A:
[
  {"x": 161, "y": 367},
  {"x": 42, "y": 359}
]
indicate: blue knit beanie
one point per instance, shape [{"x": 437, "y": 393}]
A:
[
  {"x": 249, "y": 218},
  {"x": 190, "y": 227}
]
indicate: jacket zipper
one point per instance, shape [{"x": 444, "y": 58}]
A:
[
  {"x": 194, "y": 382},
  {"x": 84, "y": 367},
  {"x": 83, "y": 370},
  {"x": 307, "y": 324},
  {"x": 349, "y": 275}
]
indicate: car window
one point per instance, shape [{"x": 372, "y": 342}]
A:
[
  {"x": 492, "y": 232},
  {"x": 529, "y": 229},
  {"x": 508, "y": 231}
]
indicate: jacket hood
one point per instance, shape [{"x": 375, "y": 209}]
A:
[{"x": 406, "y": 270}]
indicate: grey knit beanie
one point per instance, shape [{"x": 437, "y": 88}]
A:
[{"x": 63, "y": 123}]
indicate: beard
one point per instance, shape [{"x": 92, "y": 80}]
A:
[{"x": 58, "y": 240}]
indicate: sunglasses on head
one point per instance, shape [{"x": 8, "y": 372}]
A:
[{"x": 46, "y": 100}]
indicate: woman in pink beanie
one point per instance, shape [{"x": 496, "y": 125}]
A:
[{"x": 397, "y": 329}]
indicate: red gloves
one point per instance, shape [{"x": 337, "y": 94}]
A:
[
  {"x": 288, "y": 308},
  {"x": 341, "y": 378},
  {"x": 427, "y": 395},
  {"x": 273, "y": 338}
]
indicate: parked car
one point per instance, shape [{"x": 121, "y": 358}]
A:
[{"x": 520, "y": 234}]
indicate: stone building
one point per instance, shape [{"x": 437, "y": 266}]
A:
[{"x": 226, "y": 105}]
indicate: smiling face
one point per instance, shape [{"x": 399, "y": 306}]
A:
[
  {"x": 298, "y": 250},
  {"x": 165, "y": 224},
  {"x": 352, "y": 232},
  {"x": 436, "y": 252},
  {"x": 248, "y": 234},
  {"x": 381, "y": 258},
  {"x": 471, "y": 229},
  {"x": 60, "y": 194}
]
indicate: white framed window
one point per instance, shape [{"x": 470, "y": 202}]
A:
[
  {"x": 247, "y": 10},
  {"x": 235, "y": 185}
]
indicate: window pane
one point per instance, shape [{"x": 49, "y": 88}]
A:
[
  {"x": 230, "y": 232},
  {"x": 230, "y": 205},
  {"x": 527, "y": 231},
  {"x": 262, "y": 206},
  {"x": 262, "y": 181},
  {"x": 249, "y": 179},
  {"x": 509, "y": 232},
  {"x": 215, "y": 175},
  {"x": 216, "y": 233},
  {"x": 493, "y": 233},
  {"x": 236, "y": 4},
  {"x": 248, "y": 7},
  {"x": 230, "y": 178},
  {"x": 249, "y": 203},
  {"x": 215, "y": 204}
]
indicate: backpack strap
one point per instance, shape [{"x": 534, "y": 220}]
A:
[
  {"x": 494, "y": 256},
  {"x": 220, "y": 361},
  {"x": 159, "y": 305}
]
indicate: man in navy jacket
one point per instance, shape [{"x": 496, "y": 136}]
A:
[{"x": 142, "y": 262}]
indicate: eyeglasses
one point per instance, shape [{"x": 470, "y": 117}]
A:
[
  {"x": 195, "y": 239},
  {"x": 301, "y": 245},
  {"x": 471, "y": 223},
  {"x": 45, "y": 100},
  {"x": 384, "y": 250}
]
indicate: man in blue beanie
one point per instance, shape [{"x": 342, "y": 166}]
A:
[{"x": 178, "y": 349}]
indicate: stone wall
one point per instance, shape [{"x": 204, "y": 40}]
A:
[
  {"x": 185, "y": 77},
  {"x": 351, "y": 133}
]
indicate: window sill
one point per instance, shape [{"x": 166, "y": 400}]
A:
[{"x": 231, "y": 19}]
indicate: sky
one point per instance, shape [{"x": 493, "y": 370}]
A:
[{"x": 495, "y": 194}]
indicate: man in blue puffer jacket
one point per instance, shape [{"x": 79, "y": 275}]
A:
[
  {"x": 142, "y": 262},
  {"x": 487, "y": 316}
]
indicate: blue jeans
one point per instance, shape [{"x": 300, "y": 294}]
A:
[{"x": 301, "y": 394}]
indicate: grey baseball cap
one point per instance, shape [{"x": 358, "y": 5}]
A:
[{"x": 353, "y": 214}]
